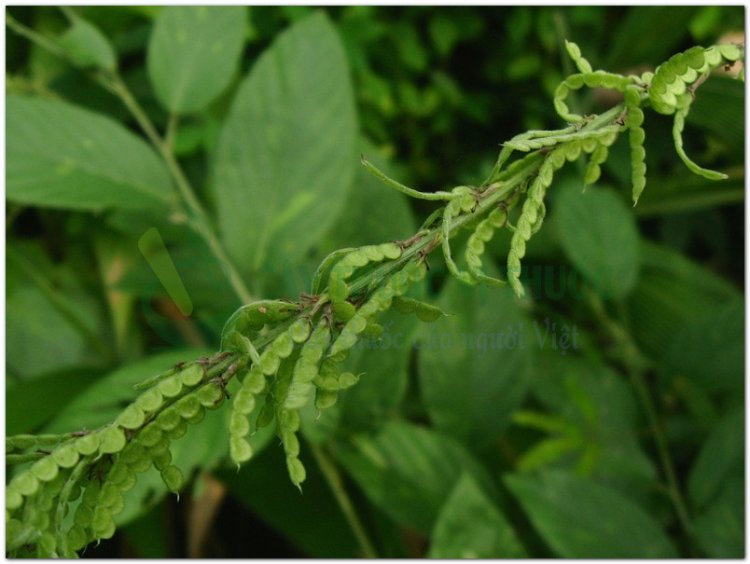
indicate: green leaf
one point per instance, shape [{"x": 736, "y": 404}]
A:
[
  {"x": 29, "y": 401},
  {"x": 409, "y": 471},
  {"x": 672, "y": 292},
  {"x": 88, "y": 47},
  {"x": 470, "y": 526},
  {"x": 286, "y": 156},
  {"x": 598, "y": 234},
  {"x": 67, "y": 157},
  {"x": 717, "y": 107},
  {"x": 474, "y": 366},
  {"x": 581, "y": 519},
  {"x": 721, "y": 455},
  {"x": 312, "y": 521},
  {"x": 193, "y": 54},
  {"x": 720, "y": 530},
  {"x": 711, "y": 350}
]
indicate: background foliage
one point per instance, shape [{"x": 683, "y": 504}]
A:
[{"x": 510, "y": 428}]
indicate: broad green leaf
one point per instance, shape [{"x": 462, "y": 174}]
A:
[
  {"x": 720, "y": 108},
  {"x": 671, "y": 293},
  {"x": 711, "y": 350},
  {"x": 87, "y": 46},
  {"x": 63, "y": 156},
  {"x": 602, "y": 407},
  {"x": 193, "y": 54},
  {"x": 29, "y": 402},
  {"x": 312, "y": 521},
  {"x": 598, "y": 234},
  {"x": 579, "y": 518},
  {"x": 722, "y": 454},
  {"x": 286, "y": 156},
  {"x": 470, "y": 526},
  {"x": 409, "y": 471},
  {"x": 628, "y": 47},
  {"x": 474, "y": 365},
  {"x": 720, "y": 530}
]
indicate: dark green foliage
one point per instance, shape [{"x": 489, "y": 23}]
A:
[{"x": 599, "y": 416}]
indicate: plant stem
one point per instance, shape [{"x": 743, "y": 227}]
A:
[
  {"x": 333, "y": 478},
  {"x": 635, "y": 364},
  {"x": 199, "y": 220}
]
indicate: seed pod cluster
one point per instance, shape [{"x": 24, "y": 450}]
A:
[
  {"x": 254, "y": 384},
  {"x": 464, "y": 200},
  {"x": 338, "y": 289},
  {"x": 100, "y": 466}
]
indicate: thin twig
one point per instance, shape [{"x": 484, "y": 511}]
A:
[{"x": 333, "y": 478}]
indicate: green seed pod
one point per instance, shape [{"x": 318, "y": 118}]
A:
[
  {"x": 178, "y": 431},
  {"x": 593, "y": 168},
  {"x": 168, "y": 419},
  {"x": 192, "y": 375},
  {"x": 77, "y": 538},
  {"x": 574, "y": 51},
  {"x": 250, "y": 318},
  {"x": 678, "y": 127},
  {"x": 132, "y": 417},
  {"x": 338, "y": 290},
  {"x": 211, "y": 395},
  {"x": 162, "y": 458},
  {"x": 88, "y": 444},
  {"x": 13, "y": 498},
  {"x": 347, "y": 380},
  {"x": 112, "y": 440},
  {"x": 343, "y": 310},
  {"x": 239, "y": 450},
  {"x": 188, "y": 406},
  {"x": 296, "y": 470},
  {"x": 172, "y": 477},
  {"x": 45, "y": 469},
  {"x": 269, "y": 362},
  {"x": 170, "y": 387},
  {"x": 299, "y": 331},
  {"x": 66, "y": 456},
  {"x": 102, "y": 524},
  {"x": 150, "y": 435},
  {"x": 150, "y": 400},
  {"x": 306, "y": 367},
  {"x": 137, "y": 448},
  {"x": 325, "y": 399}
]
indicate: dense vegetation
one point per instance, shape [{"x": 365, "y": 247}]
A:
[{"x": 600, "y": 415}]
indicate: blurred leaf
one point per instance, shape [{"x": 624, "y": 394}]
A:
[
  {"x": 193, "y": 54},
  {"x": 599, "y": 235},
  {"x": 581, "y": 519},
  {"x": 28, "y": 401},
  {"x": 721, "y": 455},
  {"x": 87, "y": 46},
  {"x": 596, "y": 400},
  {"x": 720, "y": 530},
  {"x": 672, "y": 291},
  {"x": 67, "y": 157},
  {"x": 711, "y": 350},
  {"x": 719, "y": 107},
  {"x": 286, "y": 156},
  {"x": 409, "y": 471},
  {"x": 627, "y": 46},
  {"x": 474, "y": 365},
  {"x": 470, "y": 526},
  {"x": 311, "y": 521}
]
